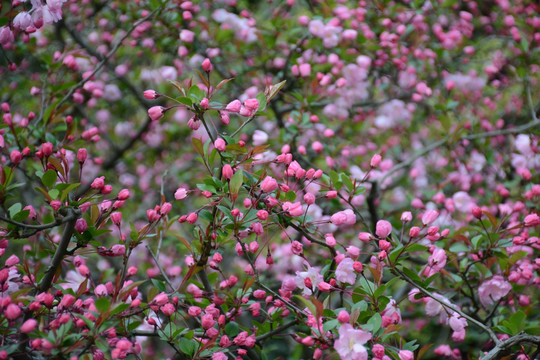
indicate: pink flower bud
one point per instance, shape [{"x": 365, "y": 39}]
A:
[
  {"x": 161, "y": 299},
  {"x": 82, "y": 154},
  {"x": 207, "y": 321},
  {"x": 165, "y": 208},
  {"x": 406, "y": 216},
  {"x": 531, "y": 220},
  {"x": 383, "y": 228},
  {"x": 156, "y": 112},
  {"x": 123, "y": 194},
  {"x": 207, "y": 65},
  {"x": 28, "y": 326},
  {"x": 375, "y": 160},
  {"x": 150, "y": 94},
  {"x": 98, "y": 183},
  {"x": 343, "y": 317},
  {"x": 12, "y": 312},
  {"x": 234, "y": 106},
  {"x": 12, "y": 261},
  {"x": 205, "y": 103},
  {"x": 324, "y": 286},
  {"x": 80, "y": 225},
  {"x": 227, "y": 172},
  {"x": 364, "y": 237},
  {"x": 180, "y": 194},
  {"x": 220, "y": 144},
  {"x": 55, "y": 204},
  {"x": 251, "y": 104},
  {"x": 269, "y": 184},
  {"x": 15, "y": 157},
  {"x": 192, "y": 218},
  {"x": 116, "y": 218},
  {"x": 430, "y": 216},
  {"x": 47, "y": 149},
  {"x": 414, "y": 231}
]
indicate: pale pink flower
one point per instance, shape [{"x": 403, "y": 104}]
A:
[
  {"x": 493, "y": 290},
  {"x": 350, "y": 345},
  {"x": 313, "y": 274},
  {"x": 345, "y": 272}
]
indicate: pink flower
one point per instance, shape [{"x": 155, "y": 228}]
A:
[
  {"x": 406, "y": 355},
  {"x": 343, "y": 217},
  {"x": 345, "y": 271},
  {"x": 429, "y": 217},
  {"x": 187, "y": 36},
  {"x": 116, "y": 218},
  {"x": 343, "y": 317},
  {"x": 220, "y": 144},
  {"x": 12, "y": 312},
  {"x": 12, "y": 261},
  {"x": 251, "y": 104},
  {"x": 207, "y": 321},
  {"x": 82, "y": 154},
  {"x": 81, "y": 225},
  {"x": 375, "y": 160},
  {"x": 161, "y": 299},
  {"x": 383, "y": 228},
  {"x": 349, "y": 346},
  {"x": 234, "y": 106},
  {"x": 28, "y": 326},
  {"x": 436, "y": 262},
  {"x": 294, "y": 209},
  {"x": 531, "y": 220},
  {"x": 305, "y": 70},
  {"x": 207, "y": 65},
  {"x": 269, "y": 184},
  {"x": 180, "y": 194},
  {"x": 227, "y": 172},
  {"x": 98, "y": 183},
  {"x": 156, "y": 112},
  {"x": 493, "y": 290},
  {"x": 151, "y": 94}
]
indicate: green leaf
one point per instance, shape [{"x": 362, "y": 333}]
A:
[
  {"x": 345, "y": 179},
  {"x": 195, "y": 93},
  {"x": 331, "y": 324},
  {"x": 236, "y": 181},
  {"x": 458, "y": 247},
  {"x": 516, "y": 323},
  {"x": 262, "y": 101},
  {"x": 102, "y": 304},
  {"x": 374, "y": 323},
  {"x": 232, "y": 329},
  {"x": 49, "y": 178},
  {"x": 188, "y": 347}
]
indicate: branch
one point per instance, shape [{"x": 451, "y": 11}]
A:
[
  {"x": 37, "y": 227},
  {"x": 449, "y": 306},
  {"x": 276, "y": 330},
  {"x": 105, "y": 59},
  {"x": 504, "y": 346},
  {"x": 45, "y": 283}
]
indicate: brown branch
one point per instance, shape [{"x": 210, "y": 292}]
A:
[
  {"x": 504, "y": 347},
  {"x": 61, "y": 250}
]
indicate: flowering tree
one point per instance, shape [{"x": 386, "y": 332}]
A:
[{"x": 258, "y": 180}]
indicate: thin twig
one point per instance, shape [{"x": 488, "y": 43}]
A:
[{"x": 449, "y": 306}]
